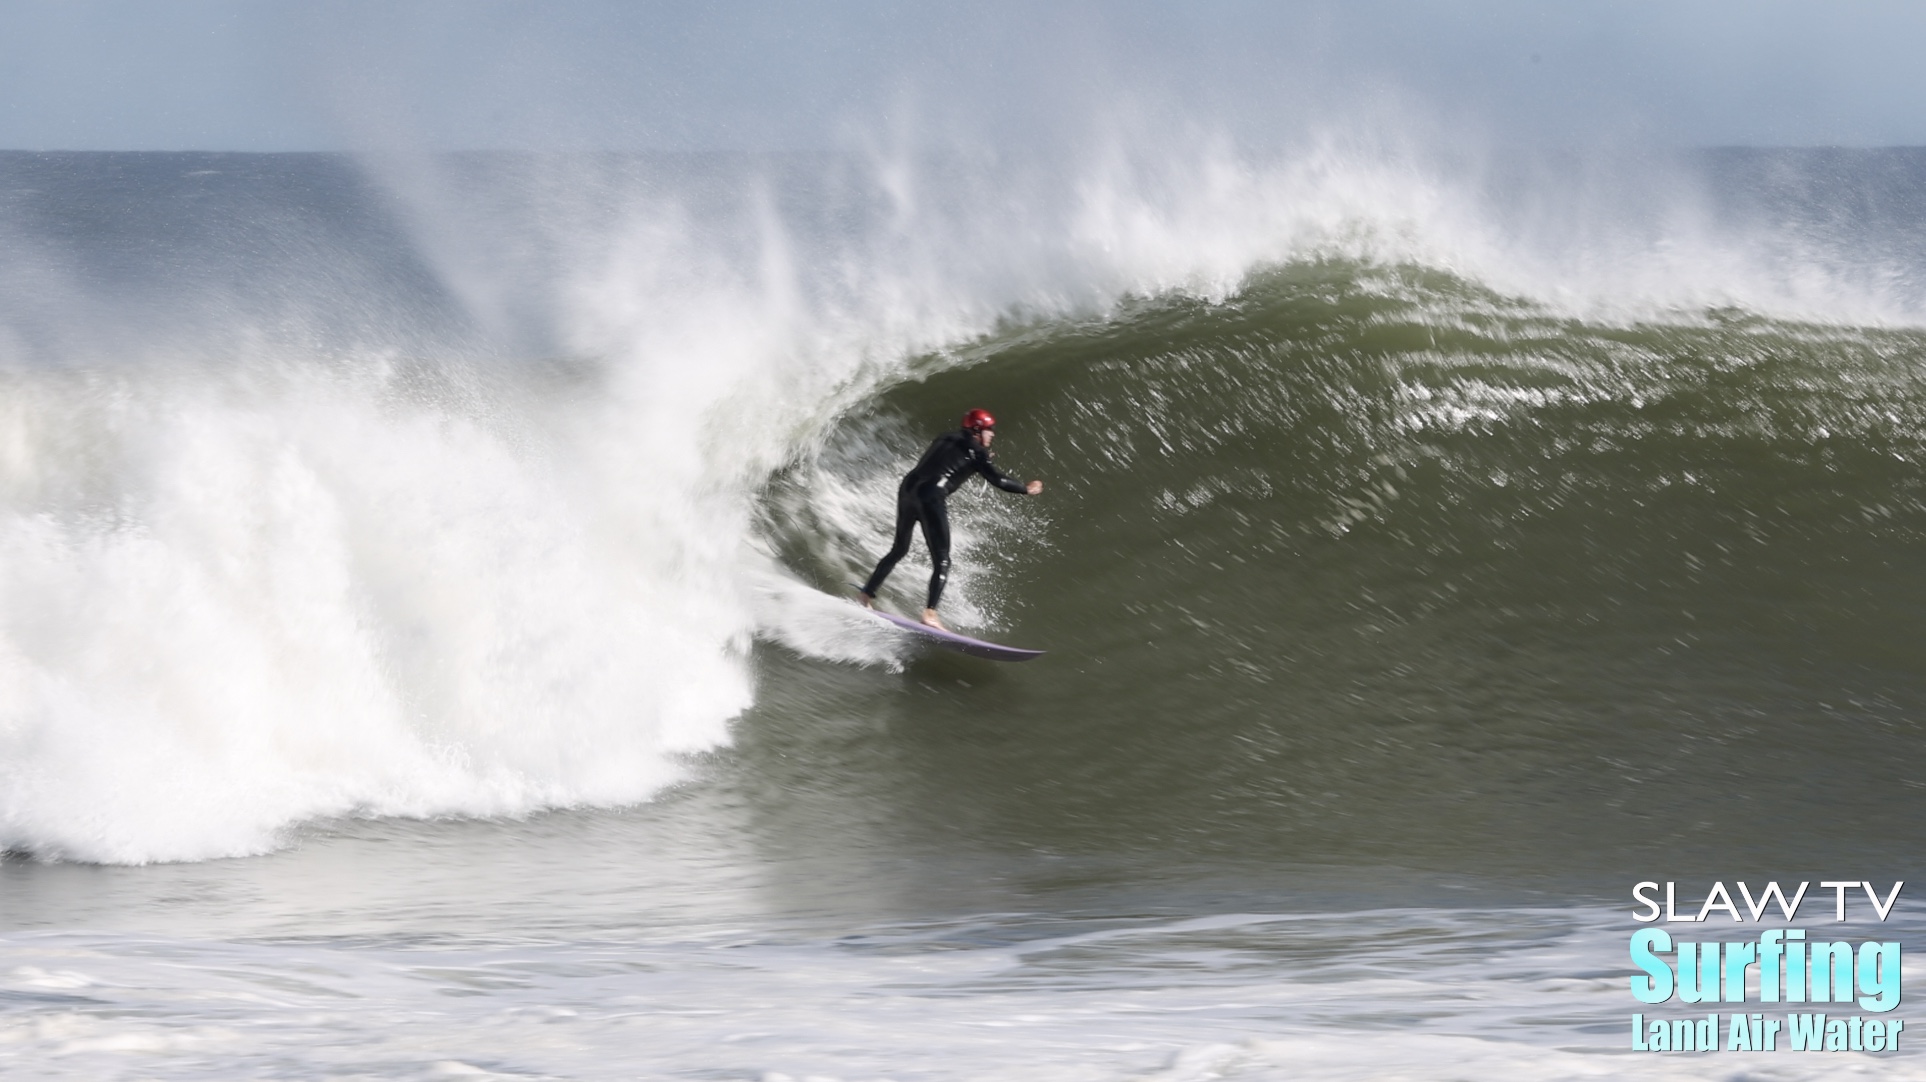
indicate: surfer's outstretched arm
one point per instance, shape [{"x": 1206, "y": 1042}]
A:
[{"x": 980, "y": 456}]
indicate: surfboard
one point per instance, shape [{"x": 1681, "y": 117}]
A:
[{"x": 950, "y": 640}]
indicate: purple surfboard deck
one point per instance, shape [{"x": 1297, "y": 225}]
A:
[{"x": 950, "y": 640}]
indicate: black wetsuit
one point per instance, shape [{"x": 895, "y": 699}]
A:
[{"x": 949, "y": 462}]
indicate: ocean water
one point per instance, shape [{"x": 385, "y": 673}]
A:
[{"x": 424, "y": 647}]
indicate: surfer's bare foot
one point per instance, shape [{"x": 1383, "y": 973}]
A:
[
  {"x": 930, "y": 618},
  {"x": 869, "y": 600}
]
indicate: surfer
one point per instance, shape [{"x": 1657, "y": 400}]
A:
[{"x": 922, "y": 496}]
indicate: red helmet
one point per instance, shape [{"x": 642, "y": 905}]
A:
[{"x": 978, "y": 420}]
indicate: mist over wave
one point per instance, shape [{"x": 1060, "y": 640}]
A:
[{"x": 456, "y": 486}]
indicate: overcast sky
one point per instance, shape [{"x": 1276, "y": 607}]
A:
[{"x": 335, "y": 74}]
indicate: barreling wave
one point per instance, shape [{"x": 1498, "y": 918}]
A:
[
  {"x": 1367, "y": 559},
  {"x": 1316, "y": 435}
]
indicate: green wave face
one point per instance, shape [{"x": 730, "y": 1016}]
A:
[{"x": 1369, "y": 564}]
